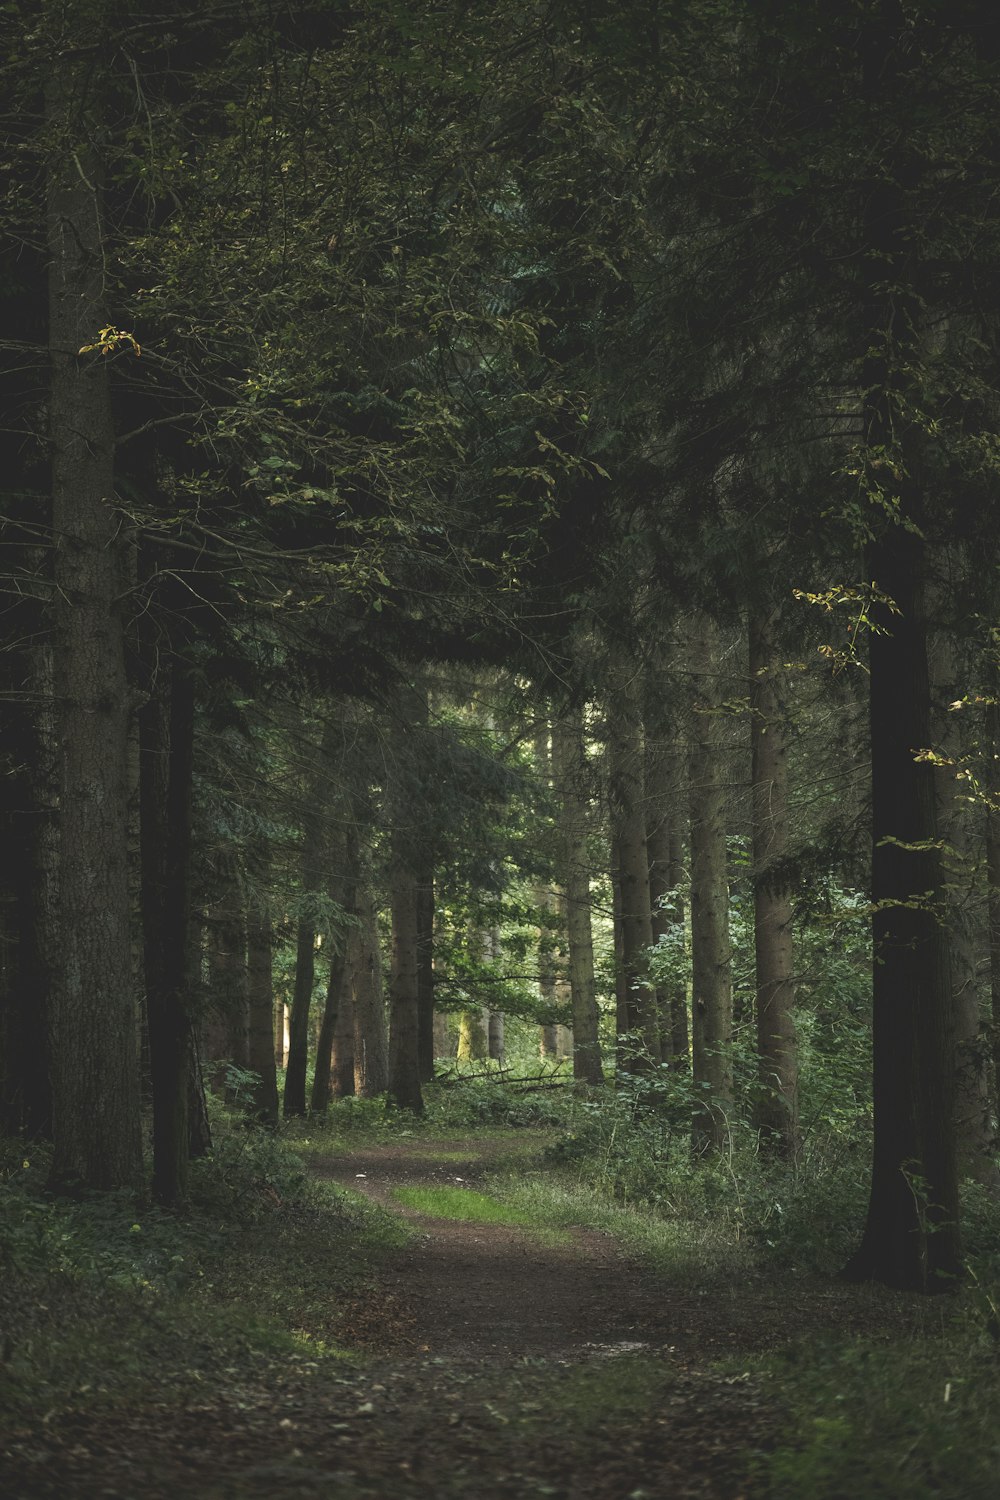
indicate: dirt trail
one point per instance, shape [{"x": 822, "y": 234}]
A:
[{"x": 494, "y": 1364}]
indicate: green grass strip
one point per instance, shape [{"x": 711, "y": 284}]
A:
[{"x": 475, "y": 1208}]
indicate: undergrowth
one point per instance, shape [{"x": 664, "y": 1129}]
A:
[{"x": 99, "y": 1298}]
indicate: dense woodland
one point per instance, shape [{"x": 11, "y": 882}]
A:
[{"x": 500, "y": 577}]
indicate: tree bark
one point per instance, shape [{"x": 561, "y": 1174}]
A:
[
  {"x": 628, "y": 817},
  {"x": 94, "y": 1056},
  {"x": 404, "y": 1065},
  {"x": 345, "y": 893},
  {"x": 711, "y": 963},
  {"x": 973, "y": 1122},
  {"x": 569, "y": 764},
  {"x": 314, "y": 849},
  {"x": 166, "y": 800},
  {"x": 777, "y": 1113},
  {"x": 911, "y": 1236},
  {"x": 260, "y": 1036},
  {"x": 371, "y": 1053},
  {"x": 425, "y": 969}
]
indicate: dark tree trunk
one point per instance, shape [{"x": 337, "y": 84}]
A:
[
  {"x": 225, "y": 1026},
  {"x": 93, "y": 1028},
  {"x": 628, "y": 817},
  {"x": 911, "y": 1237},
  {"x": 345, "y": 893},
  {"x": 680, "y": 1048},
  {"x": 260, "y": 1033},
  {"x": 569, "y": 765},
  {"x": 711, "y": 959},
  {"x": 993, "y": 875},
  {"x": 777, "y": 1114},
  {"x": 911, "y": 1234},
  {"x": 342, "y": 1054},
  {"x": 30, "y": 837},
  {"x": 425, "y": 970},
  {"x": 314, "y": 879},
  {"x": 404, "y": 1068},
  {"x": 371, "y": 1061},
  {"x": 165, "y": 798}
]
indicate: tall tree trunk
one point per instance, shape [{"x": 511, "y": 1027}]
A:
[
  {"x": 569, "y": 764},
  {"x": 345, "y": 893},
  {"x": 911, "y": 1233},
  {"x": 628, "y": 816},
  {"x": 497, "y": 1043},
  {"x": 973, "y": 1123},
  {"x": 425, "y": 969},
  {"x": 777, "y": 1053},
  {"x": 911, "y": 1237},
  {"x": 95, "y": 1072},
  {"x": 993, "y": 872},
  {"x": 473, "y": 1034},
  {"x": 659, "y": 816},
  {"x": 260, "y": 1034},
  {"x": 225, "y": 1025},
  {"x": 371, "y": 1053},
  {"x": 31, "y": 839},
  {"x": 404, "y": 1067},
  {"x": 166, "y": 793},
  {"x": 314, "y": 848},
  {"x": 711, "y": 961},
  {"x": 680, "y": 1048},
  {"x": 342, "y": 1056}
]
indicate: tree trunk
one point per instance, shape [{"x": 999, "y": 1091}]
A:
[
  {"x": 371, "y": 1052},
  {"x": 911, "y": 1234},
  {"x": 425, "y": 969},
  {"x": 569, "y": 764},
  {"x": 680, "y": 1048},
  {"x": 711, "y": 967},
  {"x": 165, "y": 798},
  {"x": 94, "y": 1057},
  {"x": 473, "y": 1035},
  {"x": 658, "y": 826},
  {"x": 404, "y": 1065},
  {"x": 911, "y": 1237},
  {"x": 442, "y": 1035},
  {"x": 993, "y": 872},
  {"x": 345, "y": 893},
  {"x": 31, "y": 943},
  {"x": 497, "y": 1046},
  {"x": 342, "y": 1004},
  {"x": 313, "y": 880},
  {"x": 260, "y": 985},
  {"x": 777, "y": 1114},
  {"x": 225, "y": 1026},
  {"x": 973, "y": 1123},
  {"x": 628, "y": 817}
]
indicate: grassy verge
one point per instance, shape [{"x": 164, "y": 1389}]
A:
[
  {"x": 101, "y": 1302},
  {"x": 470, "y": 1206},
  {"x": 918, "y": 1417}
]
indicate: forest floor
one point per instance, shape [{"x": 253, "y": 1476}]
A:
[{"x": 484, "y": 1359}]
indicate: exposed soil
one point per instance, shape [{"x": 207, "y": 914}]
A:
[{"x": 495, "y": 1365}]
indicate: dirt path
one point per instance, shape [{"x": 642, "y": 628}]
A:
[{"x": 494, "y": 1364}]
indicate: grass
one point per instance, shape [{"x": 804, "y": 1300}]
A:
[
  {"x": 470, "y": 1206},
  {"x": 676, "y": 1247},
  {"x": 918, "y": 1417},
  {"x": 101, "y": 1301}
]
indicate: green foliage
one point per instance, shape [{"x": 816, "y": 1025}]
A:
[
  {"x": 100, "y": 1297},
  {"x": 465, "y": 1103},
  {"x": 918, "y": 1417}
]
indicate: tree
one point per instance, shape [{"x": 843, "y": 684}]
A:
[
  {"x": 777, "y": 1110},
  {"x": 711, "y": 974},
  {"x": 93, "y": 1023}
]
